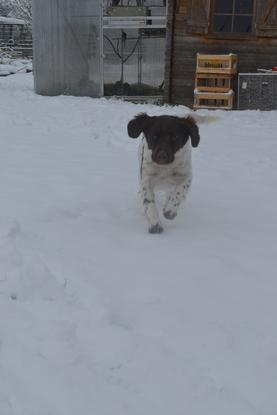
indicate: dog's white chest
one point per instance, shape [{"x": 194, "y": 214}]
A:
[{"x": 164, "y": 176}]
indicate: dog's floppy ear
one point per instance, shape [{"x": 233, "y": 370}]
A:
[
  {"x": 192, "y": 130},
  {"x": 138, "y": 125}
]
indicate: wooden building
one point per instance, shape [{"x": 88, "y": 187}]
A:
[
  {"x": 247, "y": 28},
  {"x": 15, "y": 37},
  {"x": 11, "y": 29}
]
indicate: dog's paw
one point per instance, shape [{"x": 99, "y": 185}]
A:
[
  {"x": 169, "y": 214},
  {"x": 156, "y": 228}
]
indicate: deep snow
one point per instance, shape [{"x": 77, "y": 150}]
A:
[{"x": 99, "y": 317}]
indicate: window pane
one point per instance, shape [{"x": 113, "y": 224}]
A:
[
  {"x": 222, "y": 23},
  {"x": 244, "y": 6},
  {"x": 224, "y": 6},
  {"x": 242, "y": 24}
]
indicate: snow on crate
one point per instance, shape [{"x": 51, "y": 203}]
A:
[{"x": 99, "y": 317}]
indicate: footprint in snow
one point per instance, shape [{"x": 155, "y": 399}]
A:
[{"x": 24, "y": 275}]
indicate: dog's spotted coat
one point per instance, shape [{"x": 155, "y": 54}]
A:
[{"x": 165, "y": 161}]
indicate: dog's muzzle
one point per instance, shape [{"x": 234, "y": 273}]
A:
[{"x": 162, "y": 157}]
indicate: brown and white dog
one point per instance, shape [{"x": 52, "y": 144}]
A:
[{"x": 165, "y": 159}]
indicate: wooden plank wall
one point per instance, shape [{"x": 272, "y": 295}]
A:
[
  {"x": 169, "y": 47},
  {"x": 181, "y": 56}
]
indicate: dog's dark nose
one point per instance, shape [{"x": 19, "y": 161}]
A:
[{"x": 162, "y": 157}]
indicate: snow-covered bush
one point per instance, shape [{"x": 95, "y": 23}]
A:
[{"x": 21, "y": 9}]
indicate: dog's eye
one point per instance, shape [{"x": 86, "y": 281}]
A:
[
  {"x": 175, "y": 138},
  {"x": 155, "y": 137}
]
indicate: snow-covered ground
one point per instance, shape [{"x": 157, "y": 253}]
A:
[
  {"x": 9, "y": 66},
  {"x": 98, "y": 316}
]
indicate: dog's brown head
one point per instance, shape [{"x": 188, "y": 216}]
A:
[{"x": 165, "y": 134}]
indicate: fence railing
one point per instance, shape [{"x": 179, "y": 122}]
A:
[{"x": 22, "y": 48}]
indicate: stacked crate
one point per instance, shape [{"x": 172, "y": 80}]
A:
[{"x": 213, "y": 81}]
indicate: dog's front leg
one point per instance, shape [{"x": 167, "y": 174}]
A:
[
  {"x": 149, "y": 206},
  {"x": 175, "y": 198}
]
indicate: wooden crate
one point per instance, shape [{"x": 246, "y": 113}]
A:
[
  {"x": 210, "y": 100},
  {"x": 213, "y": 82},
  {"x": 216, "y": 64}
]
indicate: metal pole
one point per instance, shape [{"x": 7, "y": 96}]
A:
[{"x": 101, "y": 45}]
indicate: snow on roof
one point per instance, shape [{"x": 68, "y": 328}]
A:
[{"x": 11, "y": 20}]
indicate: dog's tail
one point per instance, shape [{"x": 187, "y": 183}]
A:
[{"x": 204, "y": 119}]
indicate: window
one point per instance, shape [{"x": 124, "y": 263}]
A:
[{"x": 232, "y": 16}]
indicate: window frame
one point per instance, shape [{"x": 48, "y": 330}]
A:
[{"x": 238, "y": 35}]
